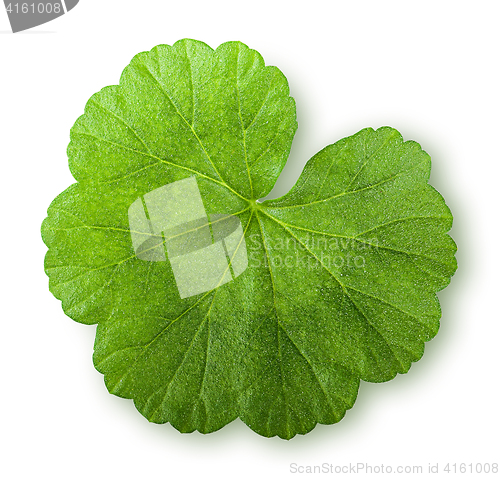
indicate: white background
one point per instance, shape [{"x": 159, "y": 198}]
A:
[{"x": 429, "y": 69}]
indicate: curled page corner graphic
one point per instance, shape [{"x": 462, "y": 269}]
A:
[
  {"x": 171, "y": 223},
  {"x": 70, "y": 4},
  {"x": 26, "y": 15}
]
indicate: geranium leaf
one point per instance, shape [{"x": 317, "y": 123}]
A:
[{"x": 272, "y": 312}]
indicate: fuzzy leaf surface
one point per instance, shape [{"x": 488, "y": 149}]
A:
[{"x": 342, "y": 271}]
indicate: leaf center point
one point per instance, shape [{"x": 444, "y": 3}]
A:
[{"x": 254, "y": 204}]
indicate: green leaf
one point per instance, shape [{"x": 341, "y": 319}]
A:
[{"x": 342, "y": 271}]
